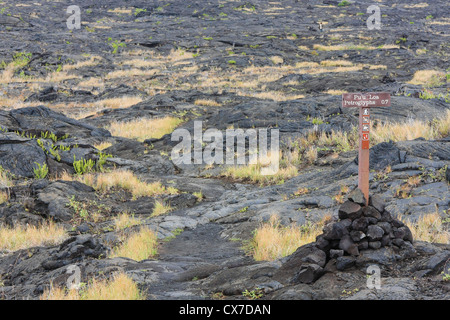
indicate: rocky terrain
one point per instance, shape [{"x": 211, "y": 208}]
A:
[{"x": 230, "y": 64}]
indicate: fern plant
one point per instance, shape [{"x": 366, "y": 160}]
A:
[
  {"x": 83, "y": 166},
  {"x": 41, "y": 171}
]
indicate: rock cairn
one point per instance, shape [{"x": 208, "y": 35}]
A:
[{"x": 362, "y": 227}]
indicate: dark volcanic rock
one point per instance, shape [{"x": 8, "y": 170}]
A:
[
  {"x": 345, "y": 262},
  {"x": 374, "y": 232},
  {"x": 357, "y": 196},
  {"x": 19, "y": 155},
  {"x": 335, "y": 231},
  {"x": 350, "y": 210},
  {"x": 305, "y": 255}
]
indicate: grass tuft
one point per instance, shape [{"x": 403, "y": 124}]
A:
[
  {"x": 138, "y": 246},
  {"x": 23, "y": 237},
  {"x": 272, "y": 241},
  {"x": 143, "y": 129},
  {"x": 121, "y": 287}
]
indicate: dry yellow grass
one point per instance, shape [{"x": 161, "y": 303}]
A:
[
  {"x": 92, "y": 61},
  {"x": 160, "y": 209},
  {"x": 5, "y": 180},
  {"x": 138, "y": 246},
  {"x": 120, "y": 287},
  {"x": 4, "y": 197},
  {"x": 428, "y": 77},
  {"x": 65, "y": 176},
  {"x": 207, "y": 102},
  {"x": 143, "y": 129},
  {"x": 125, "y": 180},
  {"x": 277, "y": 59},
  {"x": 131, "y": 73},
  {"x": 306, "y": 64},
  {"x": 272, "y": 95},
  {"x": 429, "y": 228},
  {"x": 273, "y": 241},
  {"x": 342, "y": 47},
  {"x": 311, "y": 155},
  {"x": 142, "y": 63},
  {"x": 122, "y": 102},
  {"x": 22, "y": 237},
  {"x": 92, "y": 82},
  {"x": 7, "y": 74},
  {"x": 336, "y": 63},
  {"x": 16, "y": 102},
  {"x": 416, "y": 5},
  {"x": 336, "y": 92},
  {"x": 103, "y": 146},
  {"x": 121, "y": 11},
  {"x": 253, "y": 173},
  {"x": 125, "y": 220},
  {"x": 411, "y": 130}
]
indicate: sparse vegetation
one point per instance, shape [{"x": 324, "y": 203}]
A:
[
  {"x": 143, "y": 129},
  {"x": 138, "y": 246},
  {"x": 429, "y": 78},
  {"x": 429, "y": 228},
  {"x": 23, "y": 237},
  {"x": 126, "y": 220},
  {"x": 272, "y": 241},
  {"x": 41, "y": 171},
  {"x": 160, "y": 209},
  {"x": 128, "y": 181},
  {"x": 120, "y": 287}
]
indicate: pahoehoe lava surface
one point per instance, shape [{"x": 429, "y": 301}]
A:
[{"x": 229, "y": 64}]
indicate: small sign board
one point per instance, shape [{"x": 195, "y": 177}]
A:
[{"x": 369, "y": 99}]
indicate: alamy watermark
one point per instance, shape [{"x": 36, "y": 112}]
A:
[
  {"x": 374, "y": 20},
  {"x": 73, "y": 281},
  {"x": 373, "y": 277},
  {"x": 74, "y": 21},
  {"x": 237, "y": 147}
]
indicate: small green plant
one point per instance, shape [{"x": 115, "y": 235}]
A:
[
  {"x": 116, "y": 45},
  {"x": 429, "y": 17},
  {"x": 49, "y": 135},
  {"x": 243, "y": 210},
  {"x": 102, "y": 157},
  {"x": 79, "y": 208},
  {"x": 343, "y": 3},
  {"x": 317, "y": 121},
  {"x": 83, "y": 166},
  {"x": 41, "y": 171},
  {"x": 21, "y": 59},
  {"x": 231, "y": 62},
  {"x": 349, "y": 292},
  {"x": 445, "y": 276},
  {"x": 54, "y": 152},
  {"x": 199, "y": 195},
  {"x": 254, "y": 294},
  {"x": 137, "y": 11}
]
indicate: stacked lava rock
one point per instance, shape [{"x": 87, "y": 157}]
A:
[{"x": 362, "y": 227}]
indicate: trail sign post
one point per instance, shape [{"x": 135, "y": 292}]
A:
[{"x": 365, "y": 101}]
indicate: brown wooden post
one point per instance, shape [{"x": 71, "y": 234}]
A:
[
  {"x": 363, "y": 156},
  {"x": 365, "y": 102}
]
